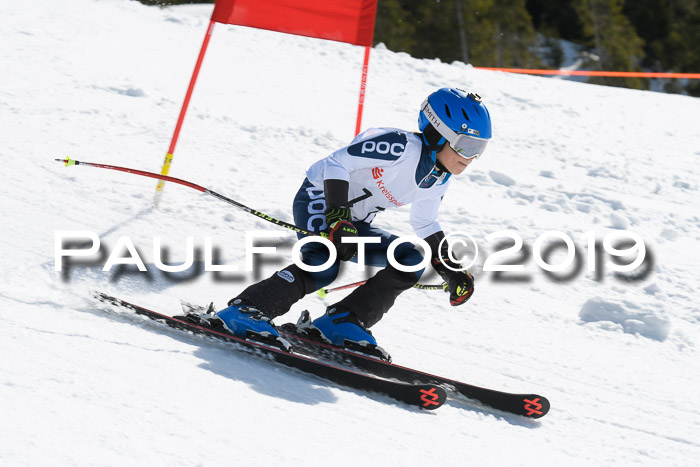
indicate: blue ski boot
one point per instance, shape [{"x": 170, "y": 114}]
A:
[
  {"x": 245, "y": 321},
  {"x": 341, "y": 328}
]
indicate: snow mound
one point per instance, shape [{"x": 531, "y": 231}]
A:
[
  {"x": 633, "y": 318},
  {"x": 501, "y": 178},
  {"x": 619, "y": 221}
]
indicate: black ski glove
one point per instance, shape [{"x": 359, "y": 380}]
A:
[
  {"x": 338, "y": 220},
  {"x": 460, "y": 284}
]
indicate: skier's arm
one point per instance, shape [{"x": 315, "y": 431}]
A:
[
  {"x": 338, "y": 217},
  {"x": 460, "y": 284},
  {"x": 424, "y": 215}
]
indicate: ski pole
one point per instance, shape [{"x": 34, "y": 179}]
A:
[
  {"x": 69, "y": 162},
  {"x": 323, "y": 292}
]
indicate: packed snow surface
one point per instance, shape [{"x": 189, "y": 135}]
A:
[{"x": 84, "y": 384}]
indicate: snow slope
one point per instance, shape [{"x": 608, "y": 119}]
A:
[{"x": 81, "y": 384}]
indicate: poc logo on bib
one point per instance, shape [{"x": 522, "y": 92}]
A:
[
  {"x": 383, "y": 147},
  {"x": 388, "y": 146}
]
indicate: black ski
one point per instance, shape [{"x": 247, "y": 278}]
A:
[
  {"x": 526, "y": 405},
  {"x": 424, "y": 395}
]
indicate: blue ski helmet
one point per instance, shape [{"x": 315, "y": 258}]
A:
[{"x": 460, "y": 119}]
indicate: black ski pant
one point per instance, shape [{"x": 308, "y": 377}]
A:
[{"x": 275, "y": 295}]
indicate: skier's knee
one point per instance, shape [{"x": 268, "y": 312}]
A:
[{"x": 407, "y": 255}]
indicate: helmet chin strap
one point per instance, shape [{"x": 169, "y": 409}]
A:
[
  {"x": 433, "y": 147},
  {"x": 433, "y": 153},
  {"x": 440, "y": 167}
]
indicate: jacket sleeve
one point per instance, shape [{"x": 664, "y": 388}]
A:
[{"x": 424, "y": 214}]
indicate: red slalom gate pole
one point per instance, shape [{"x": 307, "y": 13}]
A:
[
  {"x": 169, "y": 156},
  {"x": 363, "y": 87}
]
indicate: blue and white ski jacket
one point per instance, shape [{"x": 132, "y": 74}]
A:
[{"x": 387, "y": 168}]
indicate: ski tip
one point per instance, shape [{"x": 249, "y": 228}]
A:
[
  {"x": 431, "y": 397},
  {"x": 96, "y": 294},
  {"x": 535, "y": 406}
]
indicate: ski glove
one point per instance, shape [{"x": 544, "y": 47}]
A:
[
  {"x": 460, "y": 284},
  {"x": 338, "y": 220}
]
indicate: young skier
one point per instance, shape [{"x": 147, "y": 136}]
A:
[{"x": 382, "y": 168}]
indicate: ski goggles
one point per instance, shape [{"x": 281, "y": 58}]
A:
[{"x": 467, "y": 146}]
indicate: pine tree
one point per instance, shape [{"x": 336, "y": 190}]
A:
[
  {"x": 394, "y": 26},
  {"x": 555, "y": 19},
  {"x": 613, "y": 38},
  {"x": 491, "y": 33},
  {"x": 515, "y": 35},
  {"x": 437, "y": 30},
  {"x": 682, "y": 46},
  {"x": 480, "y": 32}
]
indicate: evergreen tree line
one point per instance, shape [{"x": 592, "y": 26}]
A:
[{"x": 615, "y": 35}]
